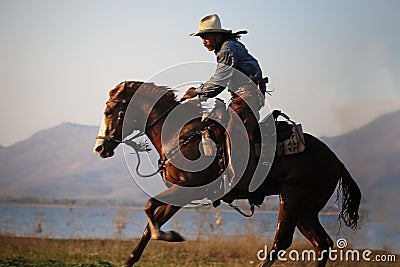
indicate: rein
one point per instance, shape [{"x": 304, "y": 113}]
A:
[
  {"x": 143, "y": 147},
  {"x": 161, "y": 163},
  {"x": 111, "y": 139},
  {"x": 134, "y": 145},
  {"x": 241, "y": 212}
]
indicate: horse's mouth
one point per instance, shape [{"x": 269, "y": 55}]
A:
[
  {"x": 106, "y": 155},
  {"x": 102, "y": 152}
]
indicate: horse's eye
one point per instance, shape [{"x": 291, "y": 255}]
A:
[{"x": 107, "y": 113}]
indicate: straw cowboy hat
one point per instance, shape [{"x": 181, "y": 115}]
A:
[{"x": 210, "y": 23}]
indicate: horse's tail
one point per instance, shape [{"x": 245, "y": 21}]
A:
[{"x": 351, "y": 196}]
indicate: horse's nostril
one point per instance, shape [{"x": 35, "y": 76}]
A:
[{"x": 99, "y": 148}]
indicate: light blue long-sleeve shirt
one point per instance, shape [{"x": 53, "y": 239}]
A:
[{"x": 233, "y": 60}]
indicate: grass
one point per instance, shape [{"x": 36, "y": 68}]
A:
[{"x": 24, "y": 251}]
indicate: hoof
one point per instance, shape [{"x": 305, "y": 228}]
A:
[
  {"x": 130, "y": 261},
  {"x": 171, "y": 236},
  {"x": 216, "y": 203}
]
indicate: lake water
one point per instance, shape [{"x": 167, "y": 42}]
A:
[{"x": 127, "y": 223}]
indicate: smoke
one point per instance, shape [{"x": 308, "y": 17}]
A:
[
  {"x": 359, "y": 112},
  {"x": 372, "y": 86}
]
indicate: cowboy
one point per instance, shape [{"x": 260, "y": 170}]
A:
[{"x": 236, "y": 70}]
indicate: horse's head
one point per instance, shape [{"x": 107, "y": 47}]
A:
[
  {"x": 110, "y": 133},
  {"x": 149, "y": 107}
]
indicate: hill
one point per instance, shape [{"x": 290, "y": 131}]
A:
[
  {"x": 372, "y": 154},
  {"x": 59, "y": 163}
]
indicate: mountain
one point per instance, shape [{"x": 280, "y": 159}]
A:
[
  {"x": 59, "y": 163},
  {"x": 372, "y": 155}
]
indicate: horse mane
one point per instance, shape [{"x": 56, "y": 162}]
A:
[{"x": 150, "y": 90}]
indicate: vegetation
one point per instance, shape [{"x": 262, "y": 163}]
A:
[
  {"x": 18, "y": 251},
  {"x": 212, "y": 250}
]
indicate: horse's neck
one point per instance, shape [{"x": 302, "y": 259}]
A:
[
  {"x": 155, "y": 137},
  {"x": 154, "y": 133},
  {"x": 157, "y": 118},
  {"x": 164, "y": 139}
]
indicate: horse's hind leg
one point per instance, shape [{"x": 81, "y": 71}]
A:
[
  {"x": 163, "y": 214},
  {"x": 284, "y": 234},
  {"x": 312, "y": 229}
]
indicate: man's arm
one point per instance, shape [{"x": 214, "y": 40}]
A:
[{"x": 222, "y": 76}]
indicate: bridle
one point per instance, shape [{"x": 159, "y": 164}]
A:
[
  {"x": 142, "y": 147},
  {"x": 162, "y": 162},
  {"x": 121, "y": 113}
]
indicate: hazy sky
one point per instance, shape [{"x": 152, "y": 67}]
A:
[{"x": 335, "y": 65}]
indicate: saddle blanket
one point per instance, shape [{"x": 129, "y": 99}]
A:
[{"x": 293, "y": 143}]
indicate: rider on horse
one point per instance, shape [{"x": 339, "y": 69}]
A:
[{"x": 237, "y": 70}]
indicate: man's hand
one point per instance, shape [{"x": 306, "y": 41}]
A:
[{"x": 190, "y": 93}]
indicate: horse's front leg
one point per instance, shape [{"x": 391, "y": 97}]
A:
[
  {"x": 140, "y": 246},
  {"x": 163, "y": 214},
  {"x": 168, "y": 196}
]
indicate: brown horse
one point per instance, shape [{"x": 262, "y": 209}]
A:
[{"x": 304, "y": 181}]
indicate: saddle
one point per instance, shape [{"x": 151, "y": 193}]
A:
[
  {"x": 289, "y": 135},
  {"x": 289, "y": 141}
]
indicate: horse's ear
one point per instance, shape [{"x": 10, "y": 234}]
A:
[
  {"x": 113, "y": 92},
  {"x": 171, "y": 94},
  {"x": 117, "y": 88}
]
